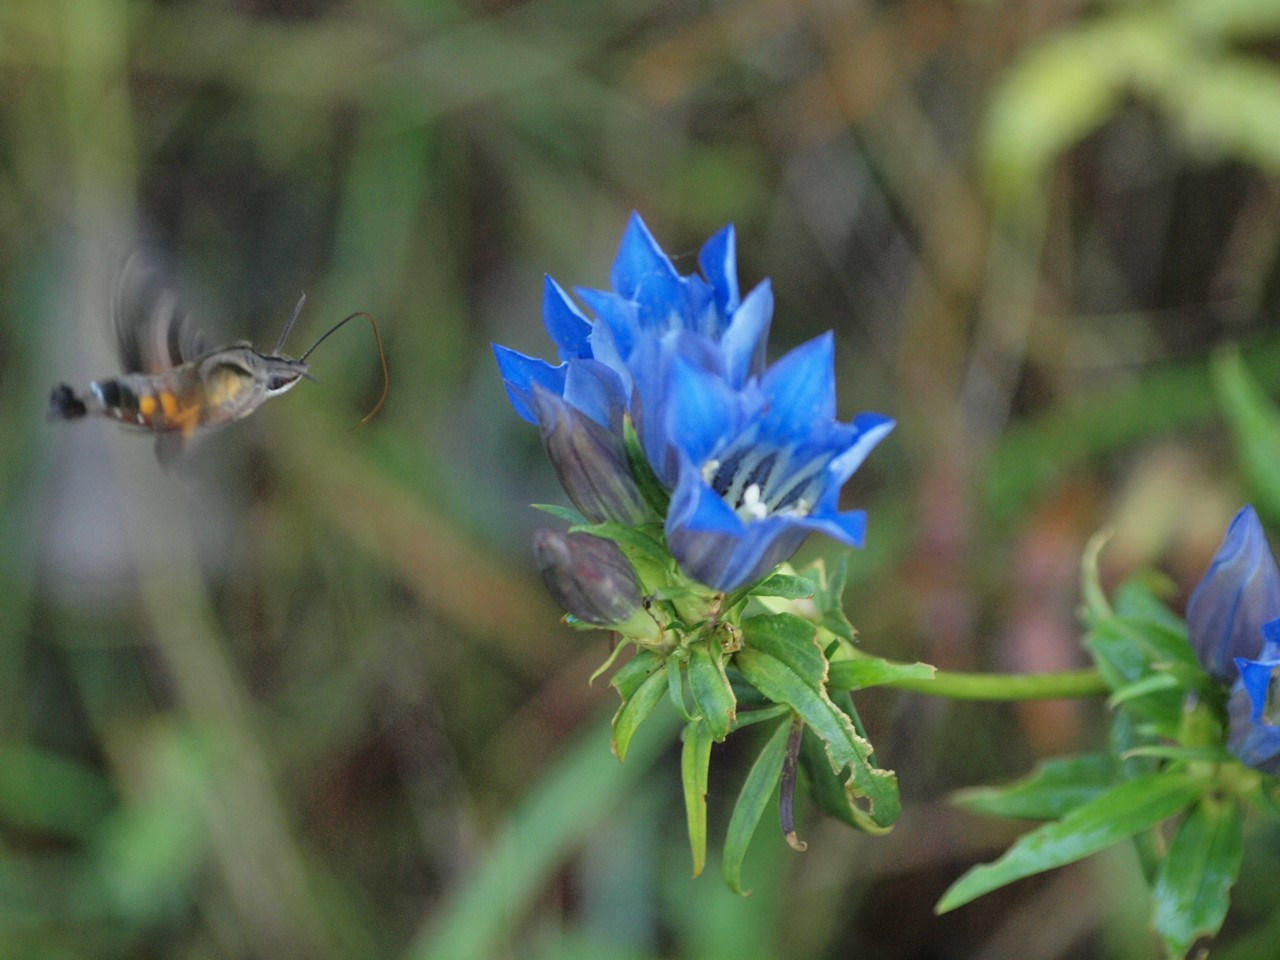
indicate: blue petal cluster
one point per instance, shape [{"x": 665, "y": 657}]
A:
[
  {"x": 1233, "y": 623},
  {"x": 752, "y": 456}
]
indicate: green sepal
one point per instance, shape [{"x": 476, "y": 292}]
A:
[
  {"x": 641, "y": 682},
  {"x": 568, "y": 514},
  {"x": 863, "y": 672},
  {"x": 675, "y": 687},
  {"x": 1119, "y": 813},
  {"x": 1050, "y": 791},
  {"x": 762, "y": 781},
  {"x": 781, "y": 658},
  {"x": 695, "y": 760},
  {"x": 1192, "y": 889},
  {"x": 785, "y": 585},
  {"x": 651, "y": 488},
  {"x": 639, "y": 539},
  {"x": 711, "y": 689}
]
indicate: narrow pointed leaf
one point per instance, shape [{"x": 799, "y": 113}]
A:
[
  {"x": 695, "y": 759},
  {"x": 1050, "y": 791},
  {"x": 1121, "y": 812},
  {"x": 711, "y": 689},
  {"x": 1192, "y": 889},
  {"x": 635, "y": 708},
  {"x": 761, "y": 782}
]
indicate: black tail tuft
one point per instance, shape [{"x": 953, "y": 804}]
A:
[{"x": 65, "y": 405}]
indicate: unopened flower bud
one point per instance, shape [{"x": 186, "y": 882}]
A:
[
  {"x": 590, "y": 462},
  {"x": 1239, "y": 593},
  {"x": 591, "y": 579}
]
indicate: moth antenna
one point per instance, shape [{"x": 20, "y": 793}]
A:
[
  {"x": 289, "y": 326},
  {"x": 382, "y": 356}
]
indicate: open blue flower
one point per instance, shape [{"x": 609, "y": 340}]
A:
[
  {"x": 759, "y": 468},
  {"x": 1238, "y": 594}
]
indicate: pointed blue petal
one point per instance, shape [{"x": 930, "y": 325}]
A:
[
  {"x": 872, "y": 428},
  {"x": 701, "y": 410},
  {"x": 1238, "y": 594},
  {"x": 744, "y": 341},
  {"x": 719, "y": 263},
  {"x": 695, "y": 506},
  {"x": 621, "y": 316},
  {"x": 849, "y": 527},
  {"x": 566, "y": 325},
  {"x": 593, "y": 388},
  {"x": 801, "y": 388},
  {"x": 521, "y": 373},
  {"x": 640, "y": 260}
]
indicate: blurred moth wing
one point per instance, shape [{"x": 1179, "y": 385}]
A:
[{"x": 175, "y": 384}]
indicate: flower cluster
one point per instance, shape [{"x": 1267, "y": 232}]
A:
[
  {"x": 1233, "y": 623},
  {"x": 662, "y": 408}
]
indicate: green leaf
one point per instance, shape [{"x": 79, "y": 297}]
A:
[
  {"x": 787, "y": 586},
  {"x": 635, "y": 672},
  {"x": 1051, "y": 790},
  {"x": 782, "y": 660},
  {"x": 1255, "y": 424},
  {"x": 635, "y": 708},
  {"x": 1115, "y": 815},
  {"x": 695, "y": 760},
  {"x": 568, "y": 514},
  {"x": 1136, "y": 598},
  {"x": 759, "y": 786},
  {"x": 1192, "y": 889},
  {"x": 872, "y": 671},
  {"x": 711, "y": 689}
]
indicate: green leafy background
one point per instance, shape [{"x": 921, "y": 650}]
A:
[{"x": 305, "y": 697}]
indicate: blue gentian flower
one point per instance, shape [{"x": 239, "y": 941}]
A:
[
  {"x": 752, "y": 456},
  {"x": 1254, "y": 737},
  {"x": 1238, "y": 594},
  {"x": 761, "y": 467}
]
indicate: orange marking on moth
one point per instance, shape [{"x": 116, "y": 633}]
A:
[
  {"x": 147, "y": 407},
  {"x": 169, "y": 404}
]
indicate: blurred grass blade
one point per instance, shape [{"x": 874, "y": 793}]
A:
[
  {"x": 1255, "y": 425},
  {"x": 555, "y": 816},
  {"x": 43, "y": 791}
]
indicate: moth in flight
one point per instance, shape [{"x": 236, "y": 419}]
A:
[{"x": 175, "y": 384}]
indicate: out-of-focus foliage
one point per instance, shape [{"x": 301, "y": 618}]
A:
[{"x": 305, "y": 696}]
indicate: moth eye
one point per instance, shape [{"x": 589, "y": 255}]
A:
[{"x": 279, "y": 381}]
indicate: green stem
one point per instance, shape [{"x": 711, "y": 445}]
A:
[{"x": 1066, "y": 684}]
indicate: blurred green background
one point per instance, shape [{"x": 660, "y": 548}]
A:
[{"x": 305, "y": 697}]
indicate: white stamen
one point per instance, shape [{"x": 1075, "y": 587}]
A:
[
  {"x": 753, "y": 508},
  {"x": 709, "y": 471}
]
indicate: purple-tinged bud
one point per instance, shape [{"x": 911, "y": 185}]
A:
[
  {"x": 590, "y": 462},
  {"x": 591, "y": 579},
  {"x": 1239, "y": 593}
]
